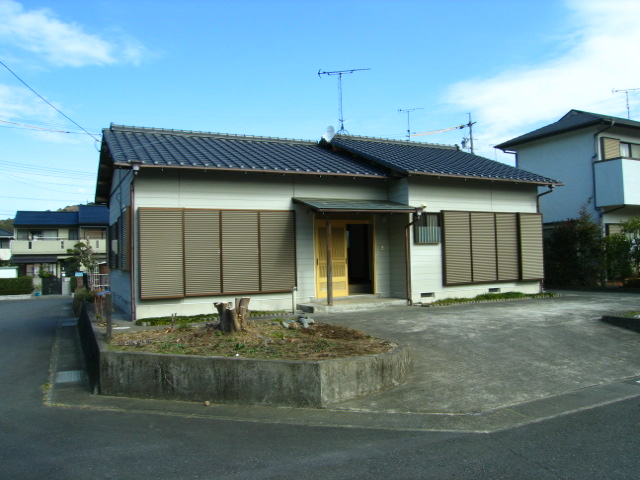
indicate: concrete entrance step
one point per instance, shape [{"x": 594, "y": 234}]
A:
[{"x": 351, "y": 303}]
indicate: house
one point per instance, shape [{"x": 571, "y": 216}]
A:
[
  {"x": 597, "y": 155},
  {"x": 198, "y": 218},
  {"x": 43, "y": 238},
  {"x": 5, "y": 245}
]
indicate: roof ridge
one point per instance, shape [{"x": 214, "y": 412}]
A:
[
  {"x": 396, "y": 141},
  {"x": 200, "y": 133}
]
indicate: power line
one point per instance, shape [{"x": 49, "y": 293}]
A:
[{"x": 48, "y": 103}]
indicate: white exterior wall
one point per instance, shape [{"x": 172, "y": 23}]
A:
[
  {"x": 224, "y": 190},
  {"x": 568, "y": 159},
  {"x": 476, "y": 196}
]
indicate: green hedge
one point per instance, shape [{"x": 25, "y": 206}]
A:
[{"x": 16, "y": 286}]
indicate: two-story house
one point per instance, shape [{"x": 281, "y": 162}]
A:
[
  {"x": 43, "y": 238},
  {"x": 198, "y": 218},
  {"x": 597, "y": 157}
]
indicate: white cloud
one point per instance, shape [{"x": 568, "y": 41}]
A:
[
  {"x": 601, "y": 54},
  {"x": 60, "y": 43}
]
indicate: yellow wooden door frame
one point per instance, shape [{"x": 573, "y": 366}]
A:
[{"x": 339, "y": 266}]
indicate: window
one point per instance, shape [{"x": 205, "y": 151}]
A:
[
  {"x": 201, "y": 252},
  {"x": 118, "y": 235},
  {"x": 426, "y": 229},
  {"x": 73, "y": 234},
  {"x": 614, "y": 148},
  {"x": 483, "y": 247}
]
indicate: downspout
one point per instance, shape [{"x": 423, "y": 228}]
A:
[
  {"x": 407, "y": 255},
  {"x": 551, "y": 187}
]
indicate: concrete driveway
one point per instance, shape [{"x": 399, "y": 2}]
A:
[
  {"x": 475, "y": 358},
  {"x": 477, "y": 367}
]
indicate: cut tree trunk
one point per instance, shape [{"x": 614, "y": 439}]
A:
[{"x": 233, "y": 319}]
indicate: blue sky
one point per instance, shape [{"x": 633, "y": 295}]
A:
[{"x": 250, "y": 67}]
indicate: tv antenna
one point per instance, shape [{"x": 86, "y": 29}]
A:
[
  {"x": 626, "y": 93},
  {"x": 340, "y": 73},
  {"x": 409, "y": 110}
]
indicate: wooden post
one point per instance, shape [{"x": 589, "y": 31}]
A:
[
  {"x": 329, "y": 262},
  {"x": 108, "y": 311}
]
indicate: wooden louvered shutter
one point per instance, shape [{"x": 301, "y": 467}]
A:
[
  {"x": 610, "y": 148},
  {"x": 507, "y": 246},
  {"x": 277, "y": 251},
  {"x": 531, "y": 246},
  {"x": 483, "y": 246},
  {"x": 240, "y": 253},
  {"x": 161, "y": 253},
  {"x": 202, "y": 252},
  {"x": 457, "y": 247}
]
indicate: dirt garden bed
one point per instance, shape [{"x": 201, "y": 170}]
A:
[{"x": 266, "y": 339}]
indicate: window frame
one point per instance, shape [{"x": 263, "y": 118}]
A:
[{"x": 428, "y": 237}]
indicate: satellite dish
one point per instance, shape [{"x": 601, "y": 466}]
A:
[{"x": 329, "y": 133}]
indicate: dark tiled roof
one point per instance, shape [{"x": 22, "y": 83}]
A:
[
  {"x": 178, "y": 148},
  {"x": 96, "y": 215},
  {"x": 349, "y": 205},
  {"x": 5, "y": 233},
  {"x": 410, "y": 158},
  {"x": 89, "y": 215},
  {"x": 43, "y": 219},
  {"x": 573, "y": 120}
]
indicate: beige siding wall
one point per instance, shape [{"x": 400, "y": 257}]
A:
[
  {"x": 171, "y": 189},
  {"x": 448, "y": 194}
]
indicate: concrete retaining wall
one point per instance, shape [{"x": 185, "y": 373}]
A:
[
  {"x": 235, "y": 380},
  {"x": 248, "y": 381}
]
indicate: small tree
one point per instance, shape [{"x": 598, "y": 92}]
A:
[
  {"x": 574, "y": 252},
  {"x": 631, "y": 228},
  {"x": 617, "y": 257},
  {"x": 82, "y": 255}
]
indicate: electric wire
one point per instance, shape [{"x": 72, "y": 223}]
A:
[{"x": 49, "y": 103}]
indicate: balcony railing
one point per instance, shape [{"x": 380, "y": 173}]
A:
[
  {"x": 617, "y": 182},
  {"x": 53, "y": 246}
]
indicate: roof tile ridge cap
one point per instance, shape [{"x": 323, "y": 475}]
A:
[
  {"x": 202, "y": 133},
  {"x": 396, "y": 141}
]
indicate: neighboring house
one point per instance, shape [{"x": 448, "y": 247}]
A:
[
  {"x": 5, "y": 244},
  {"x": 43, "y": 238},
  {"x": 598, "y": 158},
  {"x": 198, "y": 218}
]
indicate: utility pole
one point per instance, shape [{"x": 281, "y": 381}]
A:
[
  {"x": 409, "y": 110},
  {"x": 464, "y": 140},
  {"x": 340, "y": 73}
]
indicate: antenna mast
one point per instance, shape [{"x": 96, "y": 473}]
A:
[
  {"x": 626, "y": 93},
  {"x": 409, "y": 110},
  {"x": 340, "y": 73}
]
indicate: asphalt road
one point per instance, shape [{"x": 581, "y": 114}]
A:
[{"x": 50, "y": 442}]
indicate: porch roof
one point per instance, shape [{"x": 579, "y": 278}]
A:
[
  {"x": 34, "y": 259},
  {"x": 342, "y": 205}
]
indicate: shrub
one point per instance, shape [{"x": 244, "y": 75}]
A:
[
  {"x": 16, "y": 286},
  {"x": 80, "y": 296}
]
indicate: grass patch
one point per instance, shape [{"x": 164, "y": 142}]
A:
[
  {"x": 266, "y": 339},
  {"x": 634, "y": 314},
  {"x": 485, "y": 297}
]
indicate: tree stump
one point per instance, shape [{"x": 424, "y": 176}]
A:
[{"x": 233, "y": 319}]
